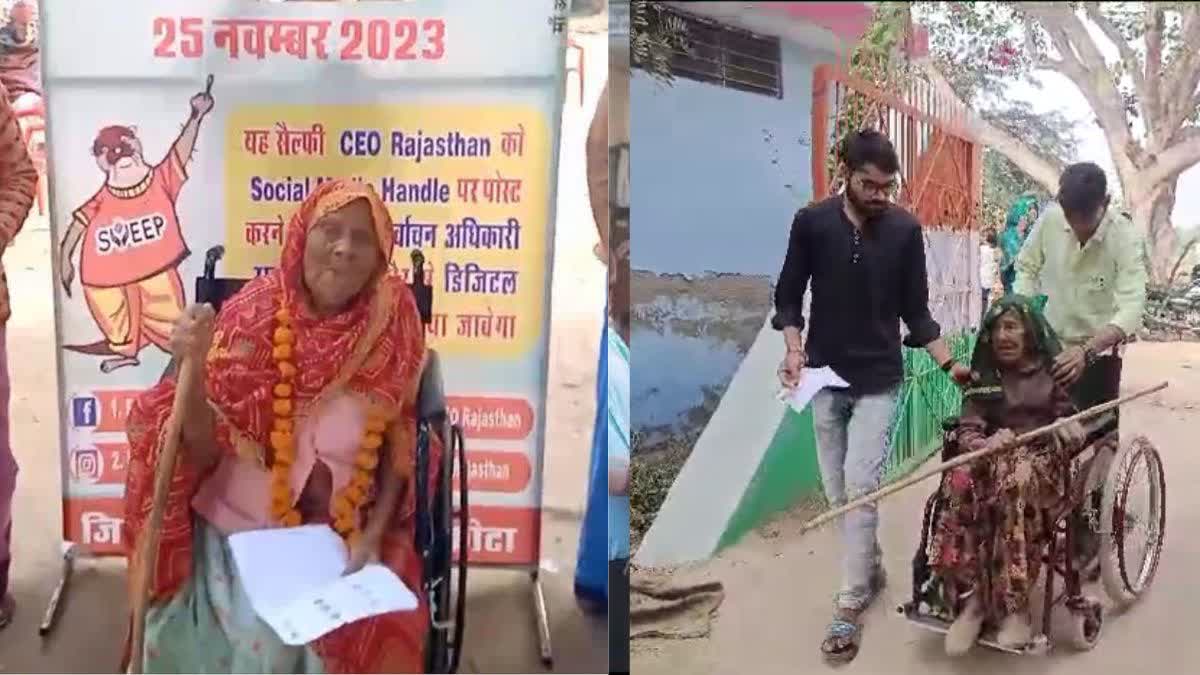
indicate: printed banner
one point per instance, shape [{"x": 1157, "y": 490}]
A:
[{"x": 205, "y": 124}]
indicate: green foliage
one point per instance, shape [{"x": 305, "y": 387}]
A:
[
  {"x": 1003, "y": 183},
  {"x": 878, "y": 59},
  {"x": 651, "y": 475},
  {"x": 1052, "y": 136},
  {"x": 982, "y": 49},
  {"x": 978, "y": 47},
  {"x": 655, "y": 35}
]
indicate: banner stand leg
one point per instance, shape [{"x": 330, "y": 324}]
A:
[
  {"x": 70, "y": 551},
  {"x": 543, "y": 619}
]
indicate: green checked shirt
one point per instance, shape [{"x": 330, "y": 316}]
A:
[{"x": 1090, "y": 286}]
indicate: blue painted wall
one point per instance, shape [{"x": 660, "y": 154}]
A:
[
  {"x": 709, "y": 196},
  {"x": 718, "y": 175}
]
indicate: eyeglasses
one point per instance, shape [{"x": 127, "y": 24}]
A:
[{"x": 887, "y": 189}]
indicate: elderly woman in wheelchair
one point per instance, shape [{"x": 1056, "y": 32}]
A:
[
  {"x": 987, "y": 544},
  {"x": 306, "y": 412}
]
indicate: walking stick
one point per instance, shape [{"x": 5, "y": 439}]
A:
[
  {"x": 147, "y": 550},
  {"x": 972, "y": 456}
]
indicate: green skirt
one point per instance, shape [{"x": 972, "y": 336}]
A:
[{"x": 210, "y": 627}]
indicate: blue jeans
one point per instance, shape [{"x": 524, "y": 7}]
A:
[{"x": 853, "y": 435}]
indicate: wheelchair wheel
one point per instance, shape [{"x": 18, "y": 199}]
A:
[
  {"x": 1086, "y": 623},
  {"x": 1133, "y": 520}
]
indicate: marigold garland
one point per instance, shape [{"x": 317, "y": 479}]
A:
[{"x": 349, "y": 500}]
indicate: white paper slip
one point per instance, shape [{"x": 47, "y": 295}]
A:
[
  {"x": 812, "y": 380},
  {"x": 372, "y": 590},
  {"x": 294, "y": 579}
]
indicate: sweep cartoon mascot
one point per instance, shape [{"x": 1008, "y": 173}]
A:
[{"x": 132, "y": 242}]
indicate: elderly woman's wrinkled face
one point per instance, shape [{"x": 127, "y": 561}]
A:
[
  {"x": 340, "y": 255},
  {"x": 1010, "y": 340}
]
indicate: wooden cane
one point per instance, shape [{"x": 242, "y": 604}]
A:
[
  {"x": 969, "y": 457},
  {"x": 147, "y": 550}
]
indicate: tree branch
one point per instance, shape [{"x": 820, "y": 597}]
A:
[
  {"x": 1155, "y": 22},
  {"x": 1037, "y": 167},
  {"x": 1142, "y": 83},
  {"x": 1183, "y": 77},
  {"x": 1038, "y": 61},
  {"x": 1176, "y": 159},
  {"x": 1185, "y": 134},
  {"x": 1083, "y": 63}
]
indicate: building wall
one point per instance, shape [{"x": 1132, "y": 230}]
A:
[{"x": 719, "y": 174}]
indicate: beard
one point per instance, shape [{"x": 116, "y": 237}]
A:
[{"x": 869, "y": 208}]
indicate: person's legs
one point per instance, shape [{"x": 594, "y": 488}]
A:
[
  {"x": 162, "y": 303},
  {"x": 115, "y": 311},
  {"x": 867, "y": 447},
  {"x": 1008, "y": 277},
  {"x": 960, "y": 547},
  {"x": 1100, "y": 382},
  {"x": 8, "y": 484},
  {"x": 831, "y": 413},
  {"x": 1016, "y": 556},
  {"x": 852, "y": 442},
  {"x": 987, "y": 294},
  {"x": 110, "y": 310}
]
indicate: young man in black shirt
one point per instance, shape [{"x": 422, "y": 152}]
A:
[{"x": 865, "y": 259}]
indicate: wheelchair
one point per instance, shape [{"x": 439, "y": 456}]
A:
[
  {"x": 1088, "y": 538},
  {"x": 444, "y": 581}
]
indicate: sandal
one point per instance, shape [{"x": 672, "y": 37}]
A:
[
  {"x": 842, "y": 637},
  {"x": 841, "y": 641}
]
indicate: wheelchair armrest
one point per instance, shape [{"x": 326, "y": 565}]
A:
[
  {"x": 215, "y": 291},
  {"x": 1098, "y": 427},
  {"x": 431, "y": 396}
]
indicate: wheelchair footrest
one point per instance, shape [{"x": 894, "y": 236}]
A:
[{"x": 1039, "y": 645}]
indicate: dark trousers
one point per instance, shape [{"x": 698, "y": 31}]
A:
[
  {"x": 987, "y": 293},
  {"x": 618, "y": 616},
  {"x": 1100, "y": 383}
]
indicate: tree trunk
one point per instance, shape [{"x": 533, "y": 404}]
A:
[{"x": 1152, "y": 214}]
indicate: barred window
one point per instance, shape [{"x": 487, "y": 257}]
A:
[{"x": 725, "y": 56}]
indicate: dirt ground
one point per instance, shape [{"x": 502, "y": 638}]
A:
[
  {"x": 779, "y": 585},
  {"x": 501, "y": 632}
]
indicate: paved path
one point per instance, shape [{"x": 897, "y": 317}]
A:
[{"x": 778, "y": 584}]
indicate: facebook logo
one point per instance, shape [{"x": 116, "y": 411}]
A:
[{"x": 85, "y": 412}]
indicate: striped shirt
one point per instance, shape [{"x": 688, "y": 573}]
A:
[{"x": 18, "y": 187}]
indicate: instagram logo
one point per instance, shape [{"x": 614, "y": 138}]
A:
[{"x": 87, "y": 465}]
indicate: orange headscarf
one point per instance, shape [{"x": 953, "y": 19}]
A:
[{"x": 374, "y": 348}]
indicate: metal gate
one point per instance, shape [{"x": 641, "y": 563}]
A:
[{"x": 941, "y": 183}]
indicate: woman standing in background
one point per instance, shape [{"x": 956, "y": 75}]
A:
[{"x": 1021, "y": 217}]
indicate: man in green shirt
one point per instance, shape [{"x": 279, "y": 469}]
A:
[{"x": 1090, "y": 263}]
